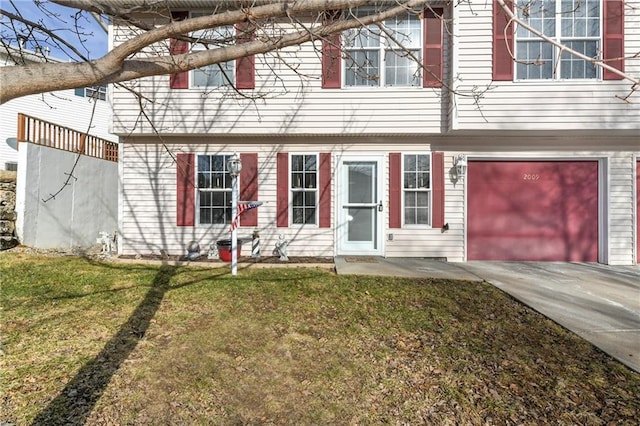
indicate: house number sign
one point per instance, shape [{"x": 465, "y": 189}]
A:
[{"x": 531, "y": 176}]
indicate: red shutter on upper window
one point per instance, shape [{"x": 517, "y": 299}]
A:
[
  {"x": 613, "y": 49},
  {"x": 437, "y": 187},
  {"x": 245, "y": 66},
  {"x": 185, "y": 190},
  {"x": 179, "y": 80},
  {"x": 324, "y": 203},
  {"x": 433, "y": 56},
  {"x": 502, "y": 44},
  {"x": 395, "y": 190},
  {"x": 282, "y": 189},
  {"x": 331, "y": 54},
  {"x": 249, "y": 187}
]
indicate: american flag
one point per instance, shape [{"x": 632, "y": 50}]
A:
[{"x": 243, "y": 207}]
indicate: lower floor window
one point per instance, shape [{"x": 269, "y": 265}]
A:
[
  {"x": 417, "y": 189},
  {"x": 304, "y": 188},
  {"x": 214, "y": 190}
]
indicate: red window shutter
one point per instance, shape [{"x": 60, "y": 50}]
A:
[
  {"x": 395, "y": 190},
  {"x": 502, "y": 44},
  {"x": 185, "y": 190},
  {"x": 245, "y": 66},
  {"x": 437, "y": 188},
  {"x": 324, "y": 203},
  {"x": 176, "y": 47},
  {"x": 331, "y": 54},
  {"x": 433, "y": 56},
  {"x": 613, "y": 48},
  {"x": 249, "y": 187},
  {"x": 282, "y": 188}
]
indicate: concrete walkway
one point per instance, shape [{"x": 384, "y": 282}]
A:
[{"x": 599, "y": 303}]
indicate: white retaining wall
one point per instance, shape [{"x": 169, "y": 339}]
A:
[{"x": 87, "y": 206}]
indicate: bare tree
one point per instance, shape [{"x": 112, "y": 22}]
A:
[
  {"x": 121, "y": 63},
  {"x": 124, "y": 62}
]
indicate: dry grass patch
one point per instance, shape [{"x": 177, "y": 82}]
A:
[{"x": 98, "y": 343}]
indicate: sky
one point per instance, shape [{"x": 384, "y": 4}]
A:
[{"x": 61, "y": 20}]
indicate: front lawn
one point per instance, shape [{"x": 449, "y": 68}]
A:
[{"x": 87, "y": 342}]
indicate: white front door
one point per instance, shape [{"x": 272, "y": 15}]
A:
[{"x": 360, "y": 206}]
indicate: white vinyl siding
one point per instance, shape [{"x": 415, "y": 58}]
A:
[
  {"x": 149, "y": 202},
  {"x": 536, "y": 104},
  {"x": 289, "y": 103}
]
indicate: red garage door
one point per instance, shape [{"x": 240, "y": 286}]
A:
[{"x": 533, "y": 210}]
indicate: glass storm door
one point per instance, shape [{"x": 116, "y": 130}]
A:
[{"x": 360, "y": 206}]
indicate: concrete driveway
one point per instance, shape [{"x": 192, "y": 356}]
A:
[{"x": 600, "y": 303}]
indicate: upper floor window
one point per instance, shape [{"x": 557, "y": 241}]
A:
[
  {"x": 573, "y": 23},
  {"x": 304, "y": 188},
  {"x": 384, "y": 58},
  {"x": 95, "y": 92},
  {"x": 417, "y": 189},
  {"x": 214, "y": 190},
  {"x": 216, "y": 75}
]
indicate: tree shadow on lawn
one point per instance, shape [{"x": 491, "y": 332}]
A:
[{"x": 75, "y": 402}]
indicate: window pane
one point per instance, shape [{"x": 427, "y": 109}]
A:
[
  {"x": 214, "y": 75},
  {"x": 401, "y": 69},
  {"x": 310, "y": 198},
  {"x": 361, "y": 227},
  {"x": 310, "y": 215},
  {"x": 361, "y": 183},
  {"x": 298, "y": 199},
  {"x": 204, "y": 180},
  {"x": 422, "y": 216},
  {"x": 573, "y": 67},
  {"x": 362, "y": 68},
  {"x": 205, "y": 199},
  {"x": 297, "y": 180},
  {"x": 204, "y": 163},
  {"x": 297, "y": 163},
  {"x": 361, "y": 38},
  {"x": 310, "y": 180},
  {"x": 218, "y": 216},
  {"x": 405, "y": 30},
  {"x": 310, "y": 162},
  {"x": 410, "y": 199},
  {"x": 423, "y": 180},
  {"x": 536, "y": 60},
  {"x": 410, "y": 162},
  {"x": 423, "y": 162},
  {"x": 410, "y": 180},
  {"x": 298, "y": 216},
  {"x": 205, "y": 215}
]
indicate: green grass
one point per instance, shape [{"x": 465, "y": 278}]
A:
[{"x": 109, "y": 343}]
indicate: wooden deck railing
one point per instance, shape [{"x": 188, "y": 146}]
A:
[{"x": 43, "y": 133}]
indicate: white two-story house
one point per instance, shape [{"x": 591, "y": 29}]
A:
[{"x": 474, "y": 140}]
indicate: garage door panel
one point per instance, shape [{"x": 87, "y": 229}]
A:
[
  {"x": 529, "y": 249},
  {"x": 532, "y": 210}
]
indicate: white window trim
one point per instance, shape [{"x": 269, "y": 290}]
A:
[
  {"x": 291, "y": 190},
  {"x": 198, "y": 189},
  {"x": 194, "y": 47},
  {"x": 556, "y": 66},
  {"x": 430, "y": 190},
  {"x": 382, "y": 48}
]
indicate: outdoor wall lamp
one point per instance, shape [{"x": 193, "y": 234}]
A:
[
  {"x": 234, "y": 165},
  {"x": 459, "y": 166}
]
